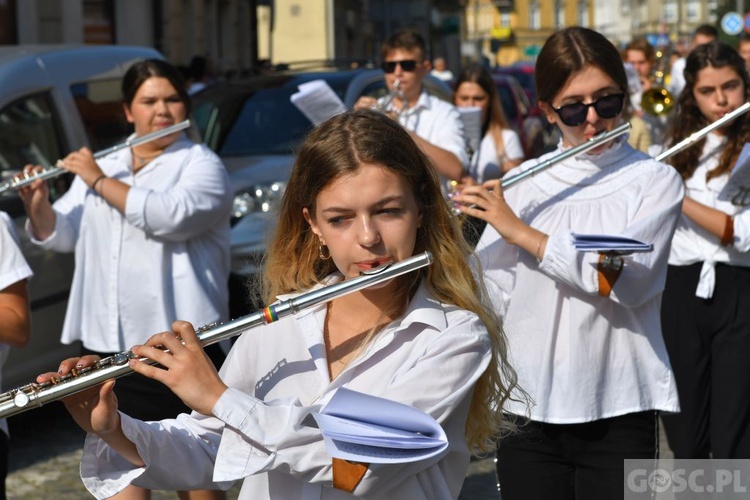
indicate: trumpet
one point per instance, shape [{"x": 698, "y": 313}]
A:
[
  {"x": 385, "y": 105},
  {"x": 49, "y": 172},
  {"x": 35, "y": 395}
]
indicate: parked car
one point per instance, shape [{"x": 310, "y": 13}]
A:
[
  {"x": 54, "y": 99},
  {"x": 517, "y": 110},
  {"x": 253, "y": 126},
  {"x": 525, "y": 73}
]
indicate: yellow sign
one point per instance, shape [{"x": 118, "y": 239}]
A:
[{"x": 502, "y": 33}]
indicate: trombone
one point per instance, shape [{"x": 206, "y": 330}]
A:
[{"x": 51, "y": 171}]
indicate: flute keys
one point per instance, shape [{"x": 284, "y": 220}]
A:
[{"x": 21, "y": 399}]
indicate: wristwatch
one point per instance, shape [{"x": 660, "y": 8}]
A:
[{"x": 611, "y": 262}]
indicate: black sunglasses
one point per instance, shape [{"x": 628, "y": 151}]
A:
[
  {"x": 606, "y": 107},
  {"x": 407, "y": 65}
]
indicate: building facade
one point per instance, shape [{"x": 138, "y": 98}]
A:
[
  {"x": 506, "y": 31},
  {"x": 235, "y": 34}
]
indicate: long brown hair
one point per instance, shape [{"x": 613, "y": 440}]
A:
[
  {"x": 495, "y": 121},
  {"x": 687, "y": 117},
  {"x": 340, "y": 146}
]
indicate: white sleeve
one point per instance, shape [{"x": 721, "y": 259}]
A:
[
  {"x": 643, "y": 275},
  {"x": 200, "y": 200},
  {"x": 68, "y": 214},
  {"x": 186, "y": 444},
  {"x": 513, "y": 146}
]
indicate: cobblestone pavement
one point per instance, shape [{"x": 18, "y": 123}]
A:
[{"x": 45, "y": 451}]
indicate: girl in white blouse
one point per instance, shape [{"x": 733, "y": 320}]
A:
[
  {"x": 426, "y": 339},
  {"x": 583, "y": 328},
  {"x": 149, "y": 226},
  {"x": 705, "y": 316},
  {"x": 500, "y": 148}
]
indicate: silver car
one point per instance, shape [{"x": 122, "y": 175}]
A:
[{"x": 54, "y": 99}]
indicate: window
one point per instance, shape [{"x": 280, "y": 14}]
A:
[
  {"x": 670, "y": 12},
  {"x": 535, "y": 21},
  {"x": 505, "y": 19},
  {"x": 28, "y": 134},
  {"x": 100, "y": 106},
  {"x": 693, "y": 11},
  {"x": 583, "y": 13},
  {"x": 559, "y": 14}
]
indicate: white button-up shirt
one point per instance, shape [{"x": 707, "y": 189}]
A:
[
  {"x": 485, "y": 163},
  {"x": 691, "y": 243},
  {"x": 430, "y": 359},
  {"x": 13, "y": 268},
  {"x": 581, "y": 356},
  {"x": 438, "y": 123},
  {"x": 167, "y": 258}
]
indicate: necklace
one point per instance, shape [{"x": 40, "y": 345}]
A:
[{"x": 142, "y": 160}]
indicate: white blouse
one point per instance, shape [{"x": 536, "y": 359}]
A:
[
  {"x": 166, "y": 258},
  {"x": 485, "y": 163},
  {"x": 429, "y": 359},
  {"x": 581, "y": 356},
  {"x": 13, "y": 268},
  {"x": 692, "y": 243}
]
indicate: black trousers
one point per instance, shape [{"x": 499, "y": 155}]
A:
[
  {"x": 3, "y": 463},
  {"x": 146, "y": 399},
  {"x": 708, "y": 341},
  {"x": 574, "y": 461}
]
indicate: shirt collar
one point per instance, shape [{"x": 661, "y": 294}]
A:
[{"x": 423, "y": 308}]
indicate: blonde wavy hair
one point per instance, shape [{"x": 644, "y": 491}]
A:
[{"x": 338, "y": 147}]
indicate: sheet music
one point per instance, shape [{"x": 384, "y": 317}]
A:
[
  {"x": 737, "y": 189},
  {"x": 366, "y": 428},
  {"x": 609, "y": 243},
  {"x": 472, "y": 118},
  {"x": 317, "y": 101}
]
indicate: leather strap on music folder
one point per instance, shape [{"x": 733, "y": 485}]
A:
[{"x": 347, "y": 475}]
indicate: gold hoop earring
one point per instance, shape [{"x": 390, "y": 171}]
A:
[{"x": 323, "y": 252}]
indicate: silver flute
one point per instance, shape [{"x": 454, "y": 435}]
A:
[
  {"x": 35, "y": 394},
  {"x": 695, "y": 136},
  {"x": 581, "y": 148},
  {"x": 24, "y": 179},
  {"x": 592, "y": 143}
]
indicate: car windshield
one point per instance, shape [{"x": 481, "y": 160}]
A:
[
  {"x": 508, "y": 101},
  {"x": 262, "y": 122}
]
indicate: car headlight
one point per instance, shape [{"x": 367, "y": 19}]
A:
[{"x": 260, "y": 198}]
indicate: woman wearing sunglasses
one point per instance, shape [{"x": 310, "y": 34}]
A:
[
  {"x": 706, "y": 325},
  {"x": 583, "y": 328}
]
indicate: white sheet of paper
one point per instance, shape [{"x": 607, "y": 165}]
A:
[
  {"x": 317, "y": 101},
  {"x": 472, "y": 118},
  {"x": 609, "y": 243},
  {"x": 371, "y": 429},
  {"x": 737, "y": 189}
]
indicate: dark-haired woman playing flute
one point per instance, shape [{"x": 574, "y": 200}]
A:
[
  {"x": 705, "y": 315},
  {"x": 583, "y": 327}
]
